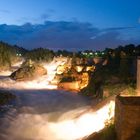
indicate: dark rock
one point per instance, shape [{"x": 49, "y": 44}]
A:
[
  {"x": 6, "y": 97},
  {"x": 28, "y": 73}
]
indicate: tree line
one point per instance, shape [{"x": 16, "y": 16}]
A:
[
  {"x": 118, "y": 57},
  {"x": 8, "y": 54}
]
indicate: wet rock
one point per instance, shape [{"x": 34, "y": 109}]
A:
[
  {"x": 28, "y": 73},
  {"x": 74, "y": 86}
]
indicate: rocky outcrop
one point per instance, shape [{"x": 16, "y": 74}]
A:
[
  {"x": 74, "y": 86},
  {"x": 127, "y": 116},
  {"x": 97, "y": 60},
  {"x": 74, "y": 81},
  {"x": 28, "y": 73}
]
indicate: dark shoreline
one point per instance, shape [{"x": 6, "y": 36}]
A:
[{"x": 6, "y": 97}]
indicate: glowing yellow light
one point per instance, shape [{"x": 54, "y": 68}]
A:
[
  {"x": 84, "y": 125},
  {"x": 90, "y": 68},
  {"x": 39, "y": 83},
  {"x": 79, "y": 68},
  {"x": 32, "y": 126}
]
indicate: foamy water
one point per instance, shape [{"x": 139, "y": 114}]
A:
[
  {"x": 42, "y": 114},
  {"x": 27, "y": 123},
  {"x": 39, "y": 83}
]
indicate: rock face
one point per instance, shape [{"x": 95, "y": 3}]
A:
[
  {"x": 97, "y": 60},
  {"x": 138, "y": 76},
  {"x": 69, "y": 85},
  {"x": 127, "y": 116},
  {"x": 28, "y": 73},
  {"x": 73, "y": 81}
]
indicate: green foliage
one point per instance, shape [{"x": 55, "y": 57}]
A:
[
  {"x": 121, "y": 62},
  {"x": 120, "y": 88},
  {"x": 131, "y": 90},
  {"x": 64, "y": 53},
  {"x": 8, "y": 54},
  {"x": 40, "y": 54},
  {"x": 115, "y": 89},
  {"x": 109, "y": 133}
]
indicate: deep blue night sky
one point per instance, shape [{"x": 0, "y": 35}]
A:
[{"x": 70, "y": 24}]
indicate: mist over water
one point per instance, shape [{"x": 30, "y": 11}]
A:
[
  {"x": 38, "y": 110},
  {"x": 42, "y": 116},
  {"x": 42, "y": 112},
  {"x": 39, "y": 83}
]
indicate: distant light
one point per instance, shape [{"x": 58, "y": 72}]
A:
[
  {"x": 96, "y": 53},
  {"x": 91, "y": 53},
  {"x": 84, "y": 53},
  {"x": 18, "y": 54},
  {"x": 103, "y": 53}
]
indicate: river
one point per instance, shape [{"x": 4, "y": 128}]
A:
[{"x": 42, "y": 112}]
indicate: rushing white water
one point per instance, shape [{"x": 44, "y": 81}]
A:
[
  {"x": 40, "y": 83},
  {"x": 31, "y": 123},
  {"x": 42, "y": 114}
]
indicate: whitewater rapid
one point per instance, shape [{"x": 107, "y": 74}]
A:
[
  {"x": 39, "y": 109},
  {"x": 42, "y": 115},
  {"x": 42, "y": 112}
]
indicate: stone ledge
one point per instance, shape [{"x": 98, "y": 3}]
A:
[
  {"x": 131, "y": 100},
  {"x": 127, "y": 116}
]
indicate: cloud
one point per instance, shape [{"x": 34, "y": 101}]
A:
[
  {"x": 113, "y": 29},
  {"x": 4, "y": 11},
  {"x": 40, "y": 19},
  {"x": 23, "y": 20},
  {"x": 44, "y": 16},
  {"x": 50, "y": 10},
  {"x": 66, "y": 35},
  {"x": 118, "y": 28}
]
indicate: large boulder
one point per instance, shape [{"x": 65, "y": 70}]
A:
[{"x": 28, "y": 73}]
